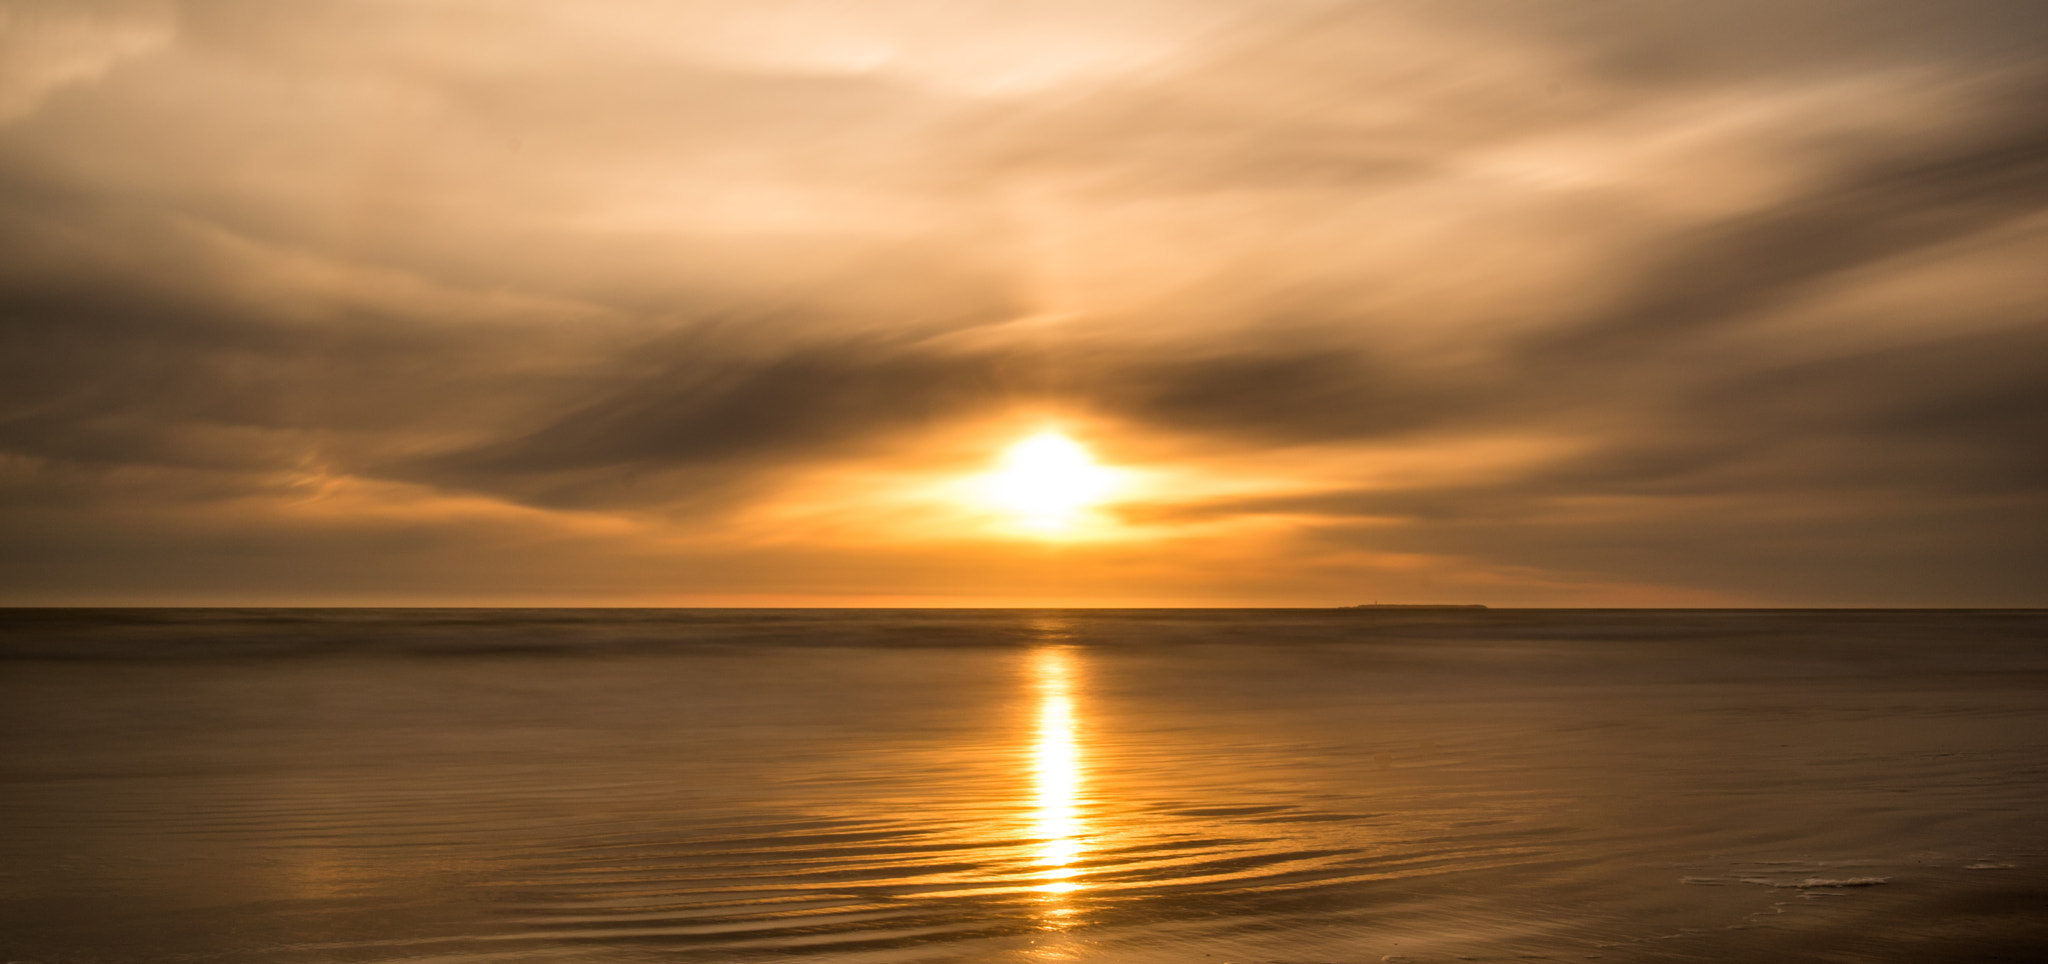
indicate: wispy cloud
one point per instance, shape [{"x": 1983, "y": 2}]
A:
[{"x": 1526, "y": 302}]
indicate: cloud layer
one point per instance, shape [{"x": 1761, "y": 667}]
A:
[{"x": 1510, "y": 301}]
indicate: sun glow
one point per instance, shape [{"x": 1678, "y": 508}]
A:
[{"x": 1048, "y": 481}]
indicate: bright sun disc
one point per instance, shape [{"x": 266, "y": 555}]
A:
[{"x": 1048, "y": 481}]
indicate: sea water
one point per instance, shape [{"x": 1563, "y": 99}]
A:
[{"x": 1211, "y": 786}]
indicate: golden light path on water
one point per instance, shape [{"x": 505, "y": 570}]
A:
[{"x": 1057, "y": 773}]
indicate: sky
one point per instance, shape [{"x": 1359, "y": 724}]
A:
[{"x": 749, "y": 302}]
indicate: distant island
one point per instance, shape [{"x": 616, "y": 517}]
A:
[{"x": 1415, "y": 606}]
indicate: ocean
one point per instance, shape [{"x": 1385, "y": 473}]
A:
[{"x": 1143, "y": 786}]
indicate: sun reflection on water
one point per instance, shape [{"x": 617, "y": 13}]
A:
[{"x": 1057, "y": 773}]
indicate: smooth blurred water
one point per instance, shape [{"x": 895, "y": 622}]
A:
[{"x": 1141, "y": 786}]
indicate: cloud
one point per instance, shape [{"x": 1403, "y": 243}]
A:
[
  {"x": 1561, "y": 300},
  {"x": 48, "y": 46},
  {"x": 1906, "y": 197}
]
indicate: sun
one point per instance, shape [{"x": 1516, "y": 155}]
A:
[{"x": 1048, "y": 482}]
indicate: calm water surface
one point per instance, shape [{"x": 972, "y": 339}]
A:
[{"x": 1022, "y": 786}]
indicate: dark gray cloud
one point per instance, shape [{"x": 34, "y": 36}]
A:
[
  {"x": 720, "y": 402},
  {"x": 1900, "y": 198}
]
